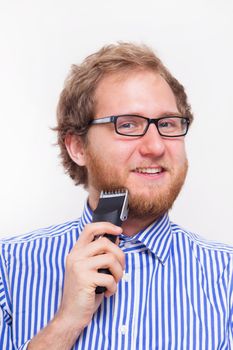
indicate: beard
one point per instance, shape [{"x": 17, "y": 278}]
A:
[{"x": 145, "y": 202}]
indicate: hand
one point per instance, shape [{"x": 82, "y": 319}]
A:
[{"x": 79, "y": 300}]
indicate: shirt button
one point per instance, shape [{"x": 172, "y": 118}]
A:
[
  {"x": 125, "y": 277},
  {"x": 123, "y": 329},
  {"x": 127, "y": 244}
]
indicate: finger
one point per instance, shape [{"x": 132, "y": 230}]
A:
[
  {"x": 106, "y": 281},
  {"x": 107, "y": 261},
  {"x": 102, "y": 247},
  {"x": 98, "y": 228}
]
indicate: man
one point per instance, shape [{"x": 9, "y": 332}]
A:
[{"x": 122, "y": 121}]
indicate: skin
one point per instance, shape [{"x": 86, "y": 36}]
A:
[
  {"x": 112, "y": 160},
  {"x": 116, "y": 158}
]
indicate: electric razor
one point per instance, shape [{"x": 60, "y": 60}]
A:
[{"x": 112, "y": 207}]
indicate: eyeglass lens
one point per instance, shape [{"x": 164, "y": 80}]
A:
[{"x": 136, "y": 125}]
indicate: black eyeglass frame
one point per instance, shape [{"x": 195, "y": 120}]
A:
[{"x": 113, "y": 119}]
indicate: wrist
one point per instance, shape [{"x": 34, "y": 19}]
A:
[
  {"x": 65, "y": 324},
  {"x": 59, "y": 334}
]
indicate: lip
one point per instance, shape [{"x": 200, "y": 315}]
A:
[{"x": 149, "y": 170}]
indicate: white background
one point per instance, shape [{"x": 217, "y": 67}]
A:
[{"x": 39, "y": 40}]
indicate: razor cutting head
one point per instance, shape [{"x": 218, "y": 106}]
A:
[
  {"x": 117, "y": 192},
  {"x": 120, "y": 196}
]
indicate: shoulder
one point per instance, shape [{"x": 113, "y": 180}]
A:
[
  {"x": 43, "y": 233},
  {"x": 196, "y": 240},
  {"x": 52, "y": 243},
  {"x": 213, "y": 260}
]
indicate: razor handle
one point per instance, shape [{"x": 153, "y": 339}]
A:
[{"x": 108, "y": 209}]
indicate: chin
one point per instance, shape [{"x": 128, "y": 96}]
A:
[{"x": 153, "y": 201}]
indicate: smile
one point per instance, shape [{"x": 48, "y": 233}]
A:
[{"x": 148, "y": 170}]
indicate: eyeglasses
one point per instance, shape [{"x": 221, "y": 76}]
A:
[{"x": 135, "y": 125}]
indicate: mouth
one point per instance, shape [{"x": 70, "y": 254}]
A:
[{"x": 149, "y": 170}]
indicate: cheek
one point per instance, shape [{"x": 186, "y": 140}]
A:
[
  {"x": 177, "y": 152},
  {"x": 118, "y": 158},
  {"x": 109, "y": 145},
  {"x": 118, "y": 151},
  {"x": 111, "y": 154}
]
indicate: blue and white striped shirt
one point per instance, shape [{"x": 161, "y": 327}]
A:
[{"x": 176, "y": 293}]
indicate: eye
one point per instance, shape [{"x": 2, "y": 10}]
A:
[
  {"x": 163, "y": 125},
  {"x": 126, "y": 125},
  {"x": 130, "y": 125},
  {"x": 168, "y": 124}
]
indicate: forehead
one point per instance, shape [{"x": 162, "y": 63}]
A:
[{"x": 138, "y": 91}]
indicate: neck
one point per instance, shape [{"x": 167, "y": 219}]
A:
[{"x": 133, "y": 225}]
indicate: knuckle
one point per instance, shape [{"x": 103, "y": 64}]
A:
[
  {"x": 113, "y": 286},
  {"x": 105, "y": 240},
  {"x": 72, "y": 261},
  {"x": 112, "y": 259},
  {"x": 69, "y": 261},
  {"x": 111, "y": 281},
  {"x": 87, "y": 227},
  {"x": 121, "y": 274},
  {"x": 70, "y": 264}
]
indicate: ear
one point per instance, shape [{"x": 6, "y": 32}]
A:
[{"x": 75, "y": 148}]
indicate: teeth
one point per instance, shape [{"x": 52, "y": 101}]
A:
[{"x": 149, "y": 170}]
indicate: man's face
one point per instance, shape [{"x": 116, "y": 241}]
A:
[{"x": 151, "y": 167}]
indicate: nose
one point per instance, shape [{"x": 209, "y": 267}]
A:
[{"x": 152, "y": 142}]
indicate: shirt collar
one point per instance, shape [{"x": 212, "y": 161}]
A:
[
  {"x": 157, "y": 237},
  {"x": 86, "y": 217}
]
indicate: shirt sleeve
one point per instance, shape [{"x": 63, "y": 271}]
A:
[
  {"x": 231, "y": 308},
  {"x": 5, "y": 331},
  {"x": 6, "y": 339},
  {"x": 6, "y": 335},
  {"x": 24, "y": 346},
  {"x": 5, "y": 317}
]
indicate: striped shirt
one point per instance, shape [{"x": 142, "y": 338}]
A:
[{"x": 176, "y": 292}]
